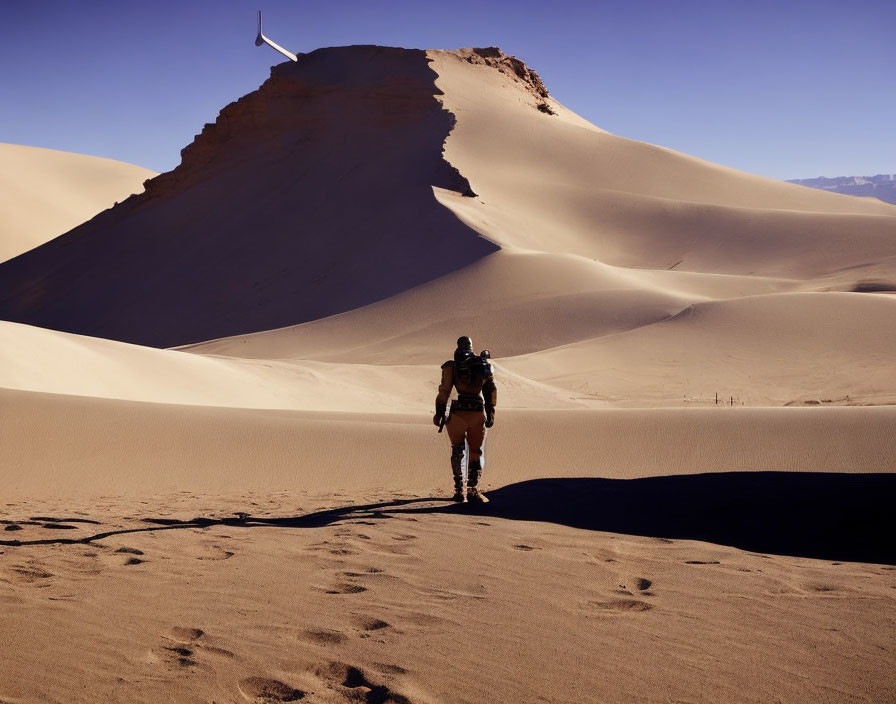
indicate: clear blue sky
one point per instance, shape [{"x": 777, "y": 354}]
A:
[{"x": 786, "y": 89}]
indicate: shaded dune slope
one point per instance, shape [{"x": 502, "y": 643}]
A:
[
  {"x": 45, "y": 192},
  {"x": 310, "y": 196}
]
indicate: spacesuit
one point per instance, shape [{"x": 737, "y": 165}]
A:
[{"x": 471, "y": 413}]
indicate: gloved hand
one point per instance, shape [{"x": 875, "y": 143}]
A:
[
  {"x": 437, "y": 418},
  {"x": 489, "y": 417}
]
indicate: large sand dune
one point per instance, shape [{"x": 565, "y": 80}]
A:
[
  {"x": 279, "y": 209},
  {"x": 259, "y": 514},
  {"x": 44, "y": 193},
  {"x": 310, "y": 196}
]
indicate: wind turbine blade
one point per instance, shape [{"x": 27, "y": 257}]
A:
[
  {"x": 261, "y": 39},
  {"x": 274, "y": 45}
]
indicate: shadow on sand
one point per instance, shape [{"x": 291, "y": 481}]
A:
[
  {"x": 843, "y": 517},
  {"x": 848, "y": 517}
]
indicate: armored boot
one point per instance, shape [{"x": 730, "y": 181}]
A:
[
  {"x": 457, "y": 458},
  {"x": 474, "y": 495}
]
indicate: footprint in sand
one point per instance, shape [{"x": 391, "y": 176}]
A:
[
  {"x": 263, "y": 690},
  {"x": 346, "y": 588},
  {"x": 211, "y": 552},
  {"x": 393, "y": 669},
  {"x": 524, "y": 547},
  {"x": 182, "y": 652},
  {"x": 375, "y": 694},
  {"x": 622, "y": 605},
  {"x": 133, "y": 552},
  {"x": 369, "y": 572},
  {"x": 32, "y": 573},
  {"x": 821, "y": 587},
  {"x": 189, "y": 638},
  {"x": 180, "y": 634},
  {"x": 642, "y": 584},
  {"x": 366, "y": 623},
  {"x": 357, "y": 686},
  {"x": 129, "y": 551},
  {"x": 324, "y": 637},
  {"x": 184, "y": 655}
]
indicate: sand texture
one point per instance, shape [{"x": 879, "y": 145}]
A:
[{"x": 219, "y": 479}]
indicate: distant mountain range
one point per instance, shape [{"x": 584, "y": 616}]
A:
[{"x": 882, "y": 186}]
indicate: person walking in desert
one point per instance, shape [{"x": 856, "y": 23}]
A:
[{"x": 471, "y": 413}]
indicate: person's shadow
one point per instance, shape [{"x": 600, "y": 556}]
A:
[
  {"x": 833, "y": 516},
  {"x": 843, "y": 517}
]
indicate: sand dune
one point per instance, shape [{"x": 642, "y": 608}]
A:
[
  {"x": 779, "y": 349},
  {"x": 279, "y": 208},
  {"x": 523, "y": 302},
  {"x": 549, "y": 185},
  {"x": 564, "y": 148},
  {"x": 308, "y": 197},
  {"x": 763, "y": 350},
  {"x": 44, "y": 193},
  {"x": 260, "y": 515},
  {"x": 35, "y": 359},
  {"x": 166, "y": 448}
]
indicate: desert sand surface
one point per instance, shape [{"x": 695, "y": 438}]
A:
[
  {"x": 46, "y": 192},
  {"x": 221, "y": 483}
]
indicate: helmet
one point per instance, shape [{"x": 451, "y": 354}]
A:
[{"x": 464, "y": 343}]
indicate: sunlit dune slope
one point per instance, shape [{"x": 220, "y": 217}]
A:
[
  {"x": 161, "y": 447},
  {"x": 549, "y": 184},
  {"x": 44, "y": 193},
  {"x": 763, "y": 350},
  {"x": 514, "y": 302},
  {"x": 36, "y": 359}
]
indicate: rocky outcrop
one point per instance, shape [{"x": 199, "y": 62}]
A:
[
  {"x": 514, "y": 68},
  {"x": 497, "y": 59}
]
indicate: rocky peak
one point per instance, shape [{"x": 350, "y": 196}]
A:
[{"x": 497, "y": 59}]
